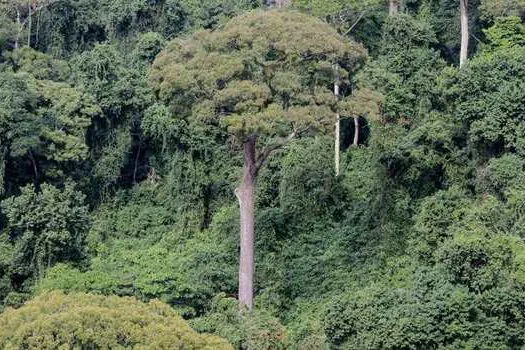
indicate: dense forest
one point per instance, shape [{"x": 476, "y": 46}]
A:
[{"x": 248, "y": 174}]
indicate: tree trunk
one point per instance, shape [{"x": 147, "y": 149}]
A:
[
  {"x": 393, "y": 7},
  {"x": 37, "y": 30},
  {"x": 337, "y": 141},
  {"x": 356, "y": 131},
  {"x": 135, "y": 168},
  {"x": 246, "y": 196},
  {"x": 277, "y": 3},
  {"x": 3, "y": 155},
  {"x": 35, "y": 167},
  {"x": 19, "y": 24},
  {"x": 463, "y": 9},
  {"x": 29, "y": 24}
]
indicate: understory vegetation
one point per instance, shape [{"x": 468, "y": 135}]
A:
[{"x": 132, "y": 132}]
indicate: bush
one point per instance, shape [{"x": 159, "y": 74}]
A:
[
  {"x": 58, "y": 320},
  {"x": 167, "y": 264},
  {"x": 254, "y": 330},
  {"x": 431, "y": 314},
  {"x": 43, "y": 228},
  {"x": 500, "y": 174},
  {"x": 436, "y": 214}
]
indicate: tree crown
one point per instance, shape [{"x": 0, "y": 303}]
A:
[{"x": 265, "y": 73}]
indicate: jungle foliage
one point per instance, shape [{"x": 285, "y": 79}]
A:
[
  {"x": 56, "y": 320},
  {"x": 121, "y": 132}
]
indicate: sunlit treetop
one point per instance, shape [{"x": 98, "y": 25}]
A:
[
  {"x": 83, "y": 321},
  {"x": 363, "y": 102},
  {"x": 263, "y": 73},
  {"x": 506, "y": 33}
]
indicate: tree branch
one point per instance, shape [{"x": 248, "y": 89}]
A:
[
  {"x": 355, "y": 23},
  {"x": 265, "y": 153},
  {"x": 476, "y": 38}
]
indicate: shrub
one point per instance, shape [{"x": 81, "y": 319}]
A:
[
  {"x": 43, "y": 228},
  {"x": 254, "y": 330},
  {"x": 58, "y": 320}
]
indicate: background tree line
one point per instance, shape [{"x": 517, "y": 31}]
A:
[{"x": 127, "y": 126}]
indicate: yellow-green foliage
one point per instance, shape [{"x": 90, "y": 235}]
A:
[
  {"x": 268, "y": 73},
  {"x": 363, "y": 102},
  {"x": 83, "y": 321}
]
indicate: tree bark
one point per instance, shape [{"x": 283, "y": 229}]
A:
[
  {"x": 135, "y": 168},
  {"x": 245, "y": 193},
  {"x": 393, "y": 7},
  {"x": 356, "y": 131},
  {"x": 35, "y": 167},
  {"x": 463, "y": 54},
  {"x": 337, "y": 141},
  {"x": 246, "y": 196},
  {"x": 278, "y": 3},
  {"x": 37, "y": 30},
  {"x": 19, "y": 24},
  {"x": 3, "y": 155},
  {"x": 29, "y": 24}
]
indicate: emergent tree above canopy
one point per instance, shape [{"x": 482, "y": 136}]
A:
[{"x": 265, "y": 75}]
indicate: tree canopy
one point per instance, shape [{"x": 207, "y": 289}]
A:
[
  {"x": 58, "y": 320},
  {"x": 350, "y": 171},
  {"x": 268, "y": 73}
]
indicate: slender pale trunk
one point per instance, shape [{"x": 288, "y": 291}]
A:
[
  {"x": 136, "y": 163},
  {"x": 337, "y": 141},
  {"x": 463, "y": 54},
  {"x": 37, "y": 30},
  {"x": 356, "y": 131},
  {"x": 29, "y": 24},
  {"x": 19, "y": 24},
  {"x": 281, "y": 3},
  {"x": 35, "y": 167},
  {"x": 246, "y": 195},
  {"x": 3, "y": 155},
  {"x": 393, "y": 7}
]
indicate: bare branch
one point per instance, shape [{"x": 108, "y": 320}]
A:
[
  {"x": 355, "y": 23},
  {"x": 476, "y": 38},
  {"x": 265, "y": 153}
]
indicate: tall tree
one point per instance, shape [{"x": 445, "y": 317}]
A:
[
  {"x": 337, "y": 137},
  {"x": 463, "y": 13},
  {"x": 268, "y": 79}
]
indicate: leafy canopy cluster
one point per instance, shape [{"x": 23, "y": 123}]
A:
[
  {"x": 268, "y": 73},
  {"x": 119, "y": 131},
  {"x": 57, "y": 320}
]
